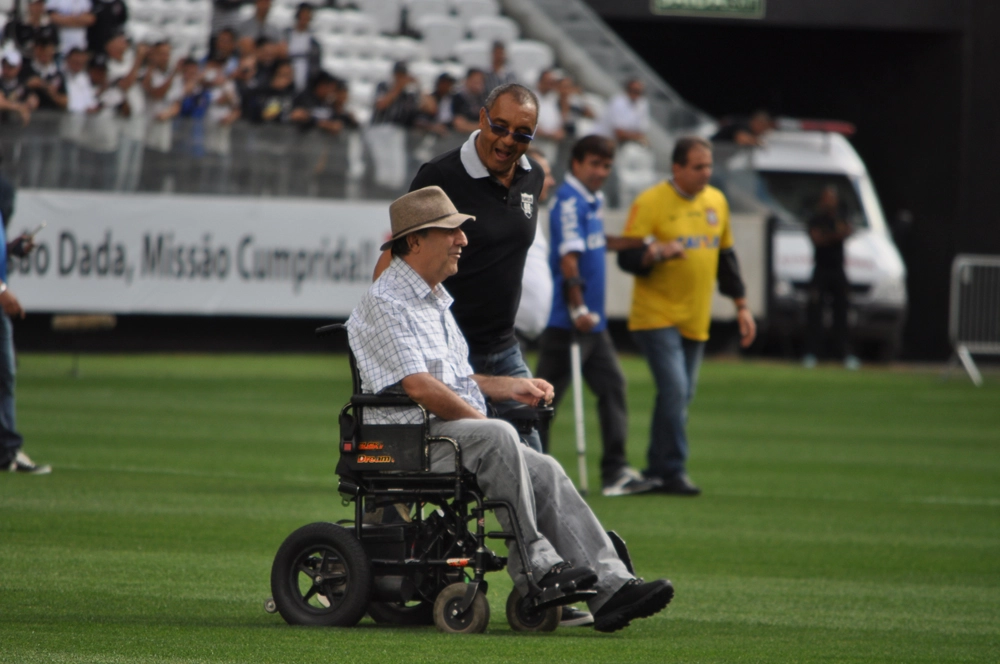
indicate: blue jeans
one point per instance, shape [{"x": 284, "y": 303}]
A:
[
  {"x": 507, "y": 362},
  {"x": 674, "y": 362},
  {"x": 10, "y": 439}
]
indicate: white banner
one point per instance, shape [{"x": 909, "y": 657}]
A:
[{"x": 130, "y": 254}]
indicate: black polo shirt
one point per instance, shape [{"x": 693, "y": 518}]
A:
[{"x": 487, "y": 287}]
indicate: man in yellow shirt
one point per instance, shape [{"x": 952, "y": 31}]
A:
[{"x": 685, "y": 223}]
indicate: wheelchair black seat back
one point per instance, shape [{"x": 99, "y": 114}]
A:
[{"x": 409, "y": 556}]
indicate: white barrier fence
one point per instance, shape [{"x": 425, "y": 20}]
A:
[{"x": 974, "y": 319}]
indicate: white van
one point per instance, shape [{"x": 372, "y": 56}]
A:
[{"x": 787, "y": 175}]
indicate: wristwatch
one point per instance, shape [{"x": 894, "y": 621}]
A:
[
  {"x": 649, "y": 240},
  {"x": 576, "y": 312}
]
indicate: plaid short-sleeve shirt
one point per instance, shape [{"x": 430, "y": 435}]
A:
[{"x": 403, "y": 327}]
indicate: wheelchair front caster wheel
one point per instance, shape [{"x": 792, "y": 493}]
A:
[
  {"x": 270, "y": 606},
  {"x": 525, "y": 618},
  {"x": 447, "y": 618}
]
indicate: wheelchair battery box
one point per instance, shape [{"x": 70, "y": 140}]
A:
[
  {"x": 384, "y": 447},
  {"x": 387, "y": 541}
]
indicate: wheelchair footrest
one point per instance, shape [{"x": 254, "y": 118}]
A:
[{"x": 561, "y": 596}]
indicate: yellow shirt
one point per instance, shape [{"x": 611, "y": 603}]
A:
[{"x": 678, "y": 292}]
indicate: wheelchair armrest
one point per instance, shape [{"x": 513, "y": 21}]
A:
[
  {"x": 526, "y": 413},
  {"x": 382, "y": 400},
  {"x": 330, "y": 330}
]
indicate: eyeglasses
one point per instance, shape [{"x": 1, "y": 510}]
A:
[{"x": 503, "y": 131}]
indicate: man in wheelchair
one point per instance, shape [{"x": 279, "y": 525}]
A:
[{"x": 406, "y": 341}]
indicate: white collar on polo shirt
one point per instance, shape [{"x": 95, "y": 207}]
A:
[
  {"x": 474, "y": 165},
  {"x": 572, "y": 181}
]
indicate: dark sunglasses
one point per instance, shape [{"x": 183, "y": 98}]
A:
[{"x": 503, "y": 131}]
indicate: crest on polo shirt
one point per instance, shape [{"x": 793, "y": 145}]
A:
[
  {"x": 527, "y": 202},
  {"x": 711, "y": 216}
]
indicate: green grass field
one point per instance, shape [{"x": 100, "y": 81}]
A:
[{"x": 847, "y": 517}]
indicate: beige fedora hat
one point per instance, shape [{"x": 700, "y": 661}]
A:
[{"x": 429, "y": 207}]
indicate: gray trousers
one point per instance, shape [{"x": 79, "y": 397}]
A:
[{"x": 556, "y": 523}]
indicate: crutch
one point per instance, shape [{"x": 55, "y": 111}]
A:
[{"x": 576, "y": 369}]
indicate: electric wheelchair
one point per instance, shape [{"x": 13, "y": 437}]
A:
[{"x": 415, "y": 552}]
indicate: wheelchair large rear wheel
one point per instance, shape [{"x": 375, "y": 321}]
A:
[
  {"x": 474, "y": 620},
  {"x": 321, "y": 576},
  {"x": 522, "y": 617},
  {"x": 399, "y": 613}
]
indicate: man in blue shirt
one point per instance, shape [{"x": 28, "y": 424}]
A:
[
  {"x": 11, "y": 456},
  {"x": 577, "y": 260}
]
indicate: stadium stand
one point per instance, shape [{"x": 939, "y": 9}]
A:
[{"x": 359, "y": 40}]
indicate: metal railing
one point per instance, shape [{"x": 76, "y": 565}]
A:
[
  {"x": 974, "y": 318},
  {"x": 66, "y": 151}
]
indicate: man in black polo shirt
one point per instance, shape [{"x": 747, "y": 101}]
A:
[{"x": 490, "y": 178}]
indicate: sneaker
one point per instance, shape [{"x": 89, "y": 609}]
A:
[
  {"x": 852, "y": 363},
  {"x": 809, "y": 361},
  {"x": 636, "y": 599},
  {"x": 574, "y": 617},
  {"x": 22, "y": 463},
  {"x": 680, "y": 485},
  {"x": 630, "y": 481}
]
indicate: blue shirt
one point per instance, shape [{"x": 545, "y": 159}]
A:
[{"x": 576, "y": 225}]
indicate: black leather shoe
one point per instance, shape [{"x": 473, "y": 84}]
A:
[
  {"x": 636, "y": 599},
  {"x": 680, "y": 485}
]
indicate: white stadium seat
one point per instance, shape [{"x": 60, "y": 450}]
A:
[
  {"x": 470, "y": 9},
  {"x": 325, "y": 21},
  {"x": 140, "y": 32},
  {"x": 281, "y": 17},
  {"x": 474, "y": 53},
  {"x": 425, "y": 72},
  {"x": 527, "y": 57},
  {"x": 196, "y": 14},
  {"x": 403, "y": 48},
  {"x": 361, "y": 46},
  {"x": 494, "y": 28},
  {"x": 247, "y": 11},
  {"x": 388, "y": 14},
  {"x": 456, "y": 70},
  {"x": 147, "y": 12},
  {"x": 440, "y": 33},
  {"x": 374, "y": 71},
  {"x": 361, "y": 94},
  {"x": 334, "y": 45},
  {"x": 418, "y": 9},
  {"x": 338, "y": 66},
  {"x": 357, "y": 23}
]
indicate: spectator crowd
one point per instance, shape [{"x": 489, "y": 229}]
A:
[{"x": 120, "y": 97}]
